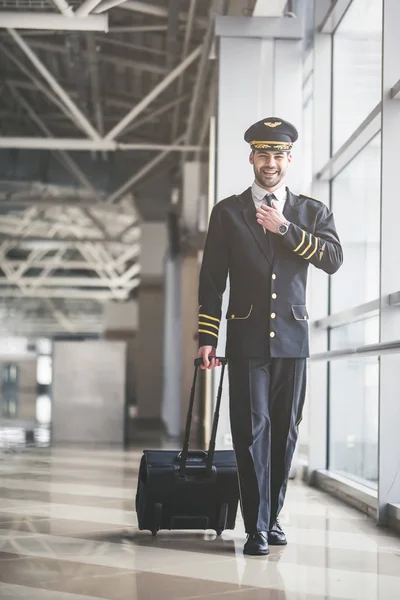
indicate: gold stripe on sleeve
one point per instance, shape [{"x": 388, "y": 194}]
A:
[
  {"x": 301, "y": 243},
  {"x": 208, "y": 317},
  {"x": 209, "y": 332},
  {"x": 308, "y": 247},
  {"x": 314, "y": 251},
  {"x": 209, "y": 325}
]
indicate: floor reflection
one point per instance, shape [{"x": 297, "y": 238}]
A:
[{"x": 68, "y": 532}]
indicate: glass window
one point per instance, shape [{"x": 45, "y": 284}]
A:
[
  {"x": 353, "y": 423},
  {"x": 357, "y": 54},
  {"x": 307, "y": 133},
  {"x": 356, "y": 334},
  {"x": 356, "y": 207}
]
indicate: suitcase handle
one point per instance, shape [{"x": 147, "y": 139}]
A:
[
  {"x": 199, "y": 361},
  {"x": 211, "y": 447}
]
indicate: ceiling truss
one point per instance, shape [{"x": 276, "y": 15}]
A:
[{"x": 95, "y": 77}]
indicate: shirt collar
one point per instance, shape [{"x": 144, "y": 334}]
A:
[{"x": 259, "y": 192}]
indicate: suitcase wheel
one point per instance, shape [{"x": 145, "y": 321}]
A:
[
  {"x": 157, "y": 519},
  {"x": 219, "y": 531}
]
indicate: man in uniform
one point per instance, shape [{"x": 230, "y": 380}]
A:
[{"x": 265, "y": 239}]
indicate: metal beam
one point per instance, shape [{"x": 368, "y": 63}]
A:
[
  {"x": 62, "y": 156},
  {"x": 76, "y": 265},
  {"x": 141, "y": 173},
  {"x": 86, "y": 8},
  {"x": 106, "y": 5},
  {"x": 76, "y": 282},
  {"x": 110, "y": 58},
  {"x": 185, "y": 49},
  {"x": 106, "y": 39},
  {"x": 100, "y": 295},
  {"x": 153, "y": 94},
  {"x": 72, "y": 107},
  {"x": 95, "y": 82},
  {"x": 46, "y": 272},
  {"x": 137, "y": 28},
  {"x": 147, "y": 8},
  {"x": 38, "y": 85},
  {"x": 198, "y": 89},
  {"x": 168, "y": 147},
  {"x": 37, "y": 20},
  {"x": 171, "y": 43},
  {"x": 53, "y": 241},
  {"x": 90, "y": 252},
  {"x": 21, "y": 203},
  {"x": 64, "y": 8},
  {"x": 110, "y": 100},
  {"x": 60, "y": 317},
  {"x": 363, "y": 134},
  {"x": 128, "y": 254},
  {"x": 158, "y": 11},
  {"x": 40, "y": 143},
  {"x": 157, "y": 113}
]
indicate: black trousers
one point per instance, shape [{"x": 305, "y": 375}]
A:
[{"x": 266, "y": 398}]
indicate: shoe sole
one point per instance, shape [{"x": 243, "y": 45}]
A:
[
  {"x": 278, "y": 543},
  {"x": 256, "y": 553}
]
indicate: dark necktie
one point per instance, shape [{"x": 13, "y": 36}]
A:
[{"x": 268, "y": 198}]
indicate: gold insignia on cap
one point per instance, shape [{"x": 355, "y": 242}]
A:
[
  {"x": 271, "y": 145},
  {"x": 272, "y": 123}
]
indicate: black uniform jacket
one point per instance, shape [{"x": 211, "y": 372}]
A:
[{"x": 267, "y": 312}]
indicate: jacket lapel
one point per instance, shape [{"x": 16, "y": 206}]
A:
[{"x": 249, "y": 215}]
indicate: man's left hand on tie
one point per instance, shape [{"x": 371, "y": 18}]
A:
[{"x": 270, "y": 218}]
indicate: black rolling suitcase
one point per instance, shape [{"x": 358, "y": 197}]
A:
[{"x": 189, "y": 489}]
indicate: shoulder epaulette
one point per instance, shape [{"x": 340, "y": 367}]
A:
[{"x": 310, "y": 198}]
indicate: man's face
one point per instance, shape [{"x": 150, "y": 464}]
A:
[{"x": 269, "y": 167}]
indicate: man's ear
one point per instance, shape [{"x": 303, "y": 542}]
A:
[
  {"x": 289, "y": 158},
  {"x": 251, "y": 158}
]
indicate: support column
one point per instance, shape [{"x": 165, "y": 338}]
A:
[
  {"x": 318, "y": 284},
  {"x": 150, "y": 354},
  {"x": 389, "y": 408},
  {"x": 121, "y": 324},
  {"x": 151, "y": 328},
  {"x": 258, "y": 77},
  {"x": 189, "y": 346},
  {"x": 171, "y": 409}
]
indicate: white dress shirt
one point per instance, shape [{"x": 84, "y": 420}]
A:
[{"x": 259, "y": 193}]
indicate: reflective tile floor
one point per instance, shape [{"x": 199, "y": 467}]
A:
[{"x": 68, "y": 532}]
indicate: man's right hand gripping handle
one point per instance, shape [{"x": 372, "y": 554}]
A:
[{"x": 205, "y": 352}]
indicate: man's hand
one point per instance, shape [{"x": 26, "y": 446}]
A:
[
  {"x": 270, "y": 218},
  {"x": 206, "y": 351}
]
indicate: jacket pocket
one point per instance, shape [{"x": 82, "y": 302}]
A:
[
  {"x": 232, "y": 316},
  {"x": 300, "y": 312}
]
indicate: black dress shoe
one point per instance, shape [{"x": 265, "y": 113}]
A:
[
  {"x": 276, "y": 535},
  {"x": 257, "y": 544}
]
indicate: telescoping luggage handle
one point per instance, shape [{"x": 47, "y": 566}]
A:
[{"x": 211, "y": 447}]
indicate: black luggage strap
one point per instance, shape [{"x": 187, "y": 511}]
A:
[{"x": 211, "y": 447}]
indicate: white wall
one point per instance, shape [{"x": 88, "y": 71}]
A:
[
  {"x": 89, "y": 392},
  {"x": 257, "y": 78}
]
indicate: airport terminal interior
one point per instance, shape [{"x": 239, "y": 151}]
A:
[{"x": 121, "y": 126}]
